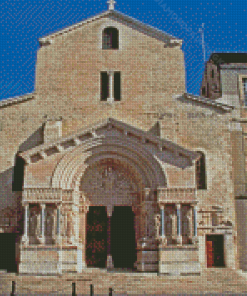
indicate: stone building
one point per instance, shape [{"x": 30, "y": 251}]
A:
[
  {"x": 111, "y": 164},
  {"x": 225, "y": 79}
]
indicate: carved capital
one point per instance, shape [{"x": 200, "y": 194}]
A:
[
  {"x": 162, "y": 241},
  {"x": 109, "y": 210},
  {"x": 136, "y": 209},
  {"x": 147, "y": 192},
  {"x": 84, "y": 209}
]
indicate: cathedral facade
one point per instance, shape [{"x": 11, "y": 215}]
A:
[{"x": 111, "y": 164}]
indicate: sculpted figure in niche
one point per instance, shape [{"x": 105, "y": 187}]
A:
[
  {"x": 151, "y": 214},
  {"x": 70, "y": 228},
  {"x": 157, "y": 225},
  {"x": 186, "y": 223},
  {"x": 34, "y": 223},
  {"x": 51, "y": 222},
  {"x": 168, "y": 226},
  {"x": 63, "y": 224}
]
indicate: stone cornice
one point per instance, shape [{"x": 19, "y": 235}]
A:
[
  {"x": 16, "y": 100},
  {"x": 234, "y": 66},
  {"x": 129, "y": 21},
  {"x": 209, "y": 102},
  {"x": 46, "y": 195},
  {"x": 177, "y": 195},
  {"x": 63, "y": 144}
]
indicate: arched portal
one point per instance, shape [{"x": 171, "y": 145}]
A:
[
  {"x": 110, "y": 174},
  {"x": 111, "y": 185}
]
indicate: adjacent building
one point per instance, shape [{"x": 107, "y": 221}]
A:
[{"x": 225, "y": 80}]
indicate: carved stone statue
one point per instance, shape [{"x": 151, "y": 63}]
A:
[
  {"x": 157, "y": 225},
  {"x": 70, "y": 228},
  {"x": 34, "y": 225},
  {"x": 38, "y": 225},
  {"x": 173, "y": 220},
  {"x": 51, "y": 222},
  {"x": 63, "y": 224}
]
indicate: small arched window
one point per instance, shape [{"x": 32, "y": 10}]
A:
[
  {"x": 201, "y": 182},
  {"x": 110, "y": 38}
]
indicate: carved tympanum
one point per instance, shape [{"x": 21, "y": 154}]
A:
[{"x": 107, "y": 178}]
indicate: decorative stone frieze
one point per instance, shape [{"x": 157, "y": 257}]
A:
[
  {"x": 38, "y": 195},
  {"x": 213, "y": 220},
  {"x": 177, "y": 195}
]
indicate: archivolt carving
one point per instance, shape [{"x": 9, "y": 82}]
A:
[{"x": 74, "y": 163}]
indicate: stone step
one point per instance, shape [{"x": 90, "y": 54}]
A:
[{"x": 212, "y": 281}]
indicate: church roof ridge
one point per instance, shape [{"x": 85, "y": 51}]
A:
[{"x": 145, "y": 28}]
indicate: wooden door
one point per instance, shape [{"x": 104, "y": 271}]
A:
[
  {"x": 215, "y": 250},
  {"x": 8, "y": 252},
  {"x": 96, "y": 242},
  {"x": 210, "y": 256},
  {"x": 123, "y": 245}
]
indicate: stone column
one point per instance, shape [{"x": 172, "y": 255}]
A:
[
  {"x": 58, "y": 224},
  {"x": 111, "y": 86},
  {"x": 109, "y": 255},
  {"x": 145, "y": 209},
  {"x": 162, "y": 214},
  {"x": 83, "y": 233},
  {"x": 136, "y": 211},
  {"x": 42, "y": 238},
  {"x": 25, "y": 239},
  {"x": 195, "y": 239},
  {"x": 190, "y": 223},
  {"x": 179, "y": 216},
  {"x": 73, "y": 229}
]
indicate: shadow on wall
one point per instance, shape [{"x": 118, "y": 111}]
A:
[
  {"x": 10, "y": 209},
  {"x": 7, "y": 197},
  {"x": 34, "y": 140},
  {"x": 11, "y": 186},
  {"x": 155, "y": 129}
]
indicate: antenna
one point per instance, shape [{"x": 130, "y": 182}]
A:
[{"x": 201, "y": 30}]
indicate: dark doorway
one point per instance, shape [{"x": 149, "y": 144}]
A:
[
  {"x": 123, "y": 245},
  {"x": 96, "y": 251},
  {"x": 215, "y": 250},
  {"x": 7, "y": 252}
]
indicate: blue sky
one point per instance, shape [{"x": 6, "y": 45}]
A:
[{"x": 22, "y": 22}]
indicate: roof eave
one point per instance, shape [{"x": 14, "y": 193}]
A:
[{"x": 209, "y": 102}]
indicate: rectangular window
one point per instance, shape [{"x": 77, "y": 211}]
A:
[
  {"x": 110, "y": 86},
  {"x": 117, "y": 86},
  {"x": 104, "y": 86},
  {"x": 245, "y": 91}
]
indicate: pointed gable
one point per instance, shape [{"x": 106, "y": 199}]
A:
[
  {"x": 123, "y": 19},
  {"x": 162, "y": 146}
]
